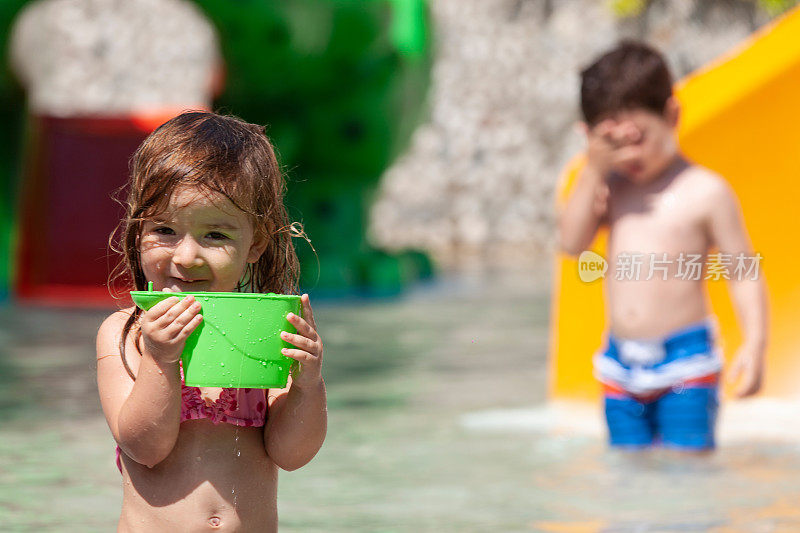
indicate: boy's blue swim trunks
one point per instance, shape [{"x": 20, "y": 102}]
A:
[{"x": 661, "y": 391}]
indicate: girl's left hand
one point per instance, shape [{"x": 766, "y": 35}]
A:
[{"x": 309, "y": 344}]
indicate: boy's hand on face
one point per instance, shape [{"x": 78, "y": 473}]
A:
[
  {"x": 747, "y": 369},
  {"x": 624, "y": 133},
  {"x": 309, "y": 344},
  {"x": 600, "y": 147},
  {"x": 602, "y": 142},
  {"x": 606, "y": 143},
  {"x": 166, "y": 326}
]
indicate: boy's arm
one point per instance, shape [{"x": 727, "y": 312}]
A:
[
  {"x": 584, "y": 211},
  {"x": 729, "y": 234},
  {"x": 587, "y": 204}
]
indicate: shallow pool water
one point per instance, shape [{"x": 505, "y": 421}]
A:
[{"x": 438, "y": 422}]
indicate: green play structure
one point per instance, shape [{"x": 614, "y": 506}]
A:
[
  {"x": 11, "y": 128},
  {"x": 340, "y": 85}
]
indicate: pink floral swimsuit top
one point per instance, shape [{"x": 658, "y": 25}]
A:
[{"x": 240, "y": 407}]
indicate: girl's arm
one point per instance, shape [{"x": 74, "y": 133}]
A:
[
  {"x": 298, "y": 415},
  {"x": 144, "y": 415}
]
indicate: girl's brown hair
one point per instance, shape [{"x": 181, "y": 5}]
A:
[{"x": 213, "y": 153}]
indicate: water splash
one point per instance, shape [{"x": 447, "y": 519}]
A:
[{"x": 236, "y": 431}]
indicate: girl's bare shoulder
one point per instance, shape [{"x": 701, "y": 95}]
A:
[{"x": 110, "y": 331}]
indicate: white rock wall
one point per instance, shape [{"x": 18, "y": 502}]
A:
[
  {"x": 111, "y": 57},
  {"x": 476, "y": 184}
]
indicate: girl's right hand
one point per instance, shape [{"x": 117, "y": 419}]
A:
[{"x": 166, "y": 325}]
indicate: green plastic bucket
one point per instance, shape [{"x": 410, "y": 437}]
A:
[{"x": 238, "y": 343}]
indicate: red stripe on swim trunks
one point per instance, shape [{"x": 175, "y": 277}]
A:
[{"x": 616, "y": 391}]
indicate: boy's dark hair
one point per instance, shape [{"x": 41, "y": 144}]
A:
[{"x": 631, "y": 76}]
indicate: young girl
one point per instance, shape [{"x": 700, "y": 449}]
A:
[{"x": 205, "y": 213}]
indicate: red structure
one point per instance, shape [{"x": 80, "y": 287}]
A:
[{"x": 73, "y": 168}]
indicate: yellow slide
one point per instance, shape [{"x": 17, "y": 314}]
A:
[{"x": 741, "y": 118}]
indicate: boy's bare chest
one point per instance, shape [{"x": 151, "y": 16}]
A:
[{"x": 667, "y": 222}]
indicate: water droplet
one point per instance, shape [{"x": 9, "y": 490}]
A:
[
  {"x": 205, "y": 299},
  {"x": 238, "y": 454},
  {"x": 222, "y": 364},
  {"x": 222, "y": 332},
  {"x": 240, "y": 314}
]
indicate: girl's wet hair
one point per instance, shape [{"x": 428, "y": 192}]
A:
[{"x": 215, "y": 154}]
